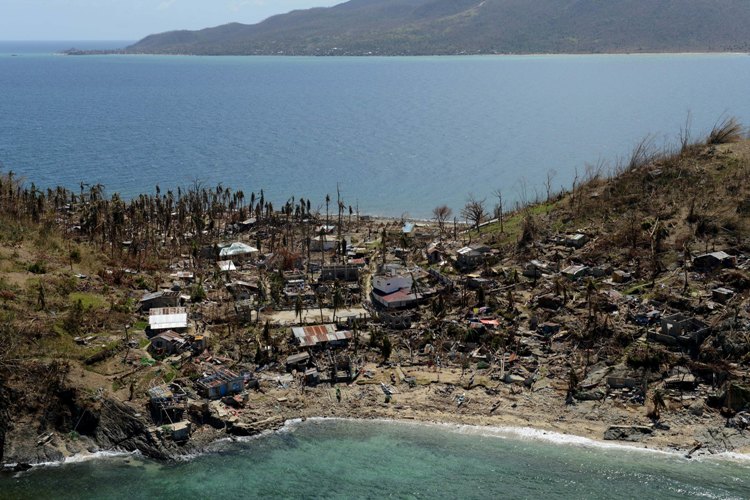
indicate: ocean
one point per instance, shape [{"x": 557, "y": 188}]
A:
[
  {"x": 397, "y": 135},
  {"x": 379, "y": 459}
]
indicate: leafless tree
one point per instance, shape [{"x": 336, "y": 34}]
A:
[
  {"x": 474, "y": 211},
  {"x": 441, "y": 214},
  {"x": 499, "y": 208}
]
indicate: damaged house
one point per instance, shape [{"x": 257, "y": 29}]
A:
[
  {"x": 168, "y": 343},
  {"x": 394, "y": 291},
  {"x": 713, "y": 260},
  {"x": 167, "y": 318},
  {"x": 681, "y": 330},
  {"x": 167, "y": 403},
  {"x": 160, "y": 299},
  {"x": 320, "y": 336},
  {"x": 472, "y": 256},
  {"x": 222, "y": 382},
  {"x": 237, "y": 252}
]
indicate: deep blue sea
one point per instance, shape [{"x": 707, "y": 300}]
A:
[
  {"x": 398, "y": 135},
  {"x": 350, "y": 459}
]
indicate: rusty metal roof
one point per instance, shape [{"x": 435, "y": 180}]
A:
[{"x": 309, "y": 336}]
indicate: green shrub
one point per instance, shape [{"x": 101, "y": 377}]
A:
[
  {"x": 197, "y": 294},
  {"x": 37, "y": 268}
]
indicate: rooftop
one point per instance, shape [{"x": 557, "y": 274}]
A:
[
  {"x": 237, "y": 248},
  {"x": 310, "y": 336},
  {"x": 168, "y": 318}
]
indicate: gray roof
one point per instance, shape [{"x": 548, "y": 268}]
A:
[
  {"x": 237, "y": 248},
  {"x": 159, "y": 294}
]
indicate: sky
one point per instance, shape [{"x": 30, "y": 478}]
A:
[{"x": 131, "y": 19}]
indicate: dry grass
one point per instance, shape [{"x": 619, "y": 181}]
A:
[{"x": 726, "y": 131}]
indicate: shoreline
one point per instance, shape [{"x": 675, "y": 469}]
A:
[{"x": 519, "y": 433}]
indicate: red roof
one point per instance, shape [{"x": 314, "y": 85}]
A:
[{"x": 399, "y": 295}]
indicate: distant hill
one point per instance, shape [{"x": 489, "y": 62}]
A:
[{"x": 420, "y": 27}]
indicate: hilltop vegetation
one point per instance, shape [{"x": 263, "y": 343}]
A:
[{"x": 423, "y": 27}]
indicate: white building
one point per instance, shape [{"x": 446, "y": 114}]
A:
[
  {"x": 389, "y": 284},
  {"x": 167, "y": 318}
]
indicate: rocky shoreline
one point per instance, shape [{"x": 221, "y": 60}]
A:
[{"x": 121, "y": 427}]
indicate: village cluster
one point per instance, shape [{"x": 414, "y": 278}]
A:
[
  {"x": 392, "y": 305},
  {"x": 617, "y": 309}
]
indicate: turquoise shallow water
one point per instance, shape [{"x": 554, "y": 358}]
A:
[
  {"x": 353, "y": 459},
  {"x": 400, "y": 135}
]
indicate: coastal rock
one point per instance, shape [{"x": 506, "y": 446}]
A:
[
  {"x": 697, "y": 408},
  {"x": 738, "y": 397},
  {"x": 252, "y": 428},
  {"x": 120, "y": 427},
  {"x": 627, "y": 433},
  {"x": 717, "y": 440}
]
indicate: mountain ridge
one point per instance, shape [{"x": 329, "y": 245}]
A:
[{"x": 443, "y": 27}]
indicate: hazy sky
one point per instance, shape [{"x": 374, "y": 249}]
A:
[{"x": 131, "y": 19}]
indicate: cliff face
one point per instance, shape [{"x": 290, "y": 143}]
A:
[
  {"x": 104, "y": 424},
  {"x": 416, "y": 27}
]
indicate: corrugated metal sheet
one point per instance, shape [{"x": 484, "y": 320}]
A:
[
  {"x": 237, "y": 249},
  {"x": 171, "y": 336},
  {"x": 309, "y": 336},
  {"x": 169, "y": 322},
  {"x": 168, "y": 318}
]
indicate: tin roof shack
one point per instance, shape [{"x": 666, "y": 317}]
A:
[
  {"x": 180, "y": 431},
  {"x": 713, "y": 260},
  {"x": 471, "y": 257},
  {"x": 237, "y": 251},
  {"x": 321, "y": 336},
  {"x": 168, "y": 343},
  {"x": 222, "y": 382},
  {"x": 680, "y": 330},
  {"x": 167, "y": 403},
  {"x": 167, "y": 318},
  {"x": 297, "y": 362},
  {"x": 160, "y": 299}
]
